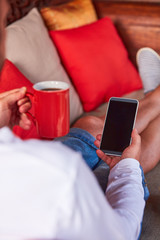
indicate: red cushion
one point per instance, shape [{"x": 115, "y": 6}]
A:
[
  {"x": 12, "y": 78},
  {"x": 97, "y": 62}
]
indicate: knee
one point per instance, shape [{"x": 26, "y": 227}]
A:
[
  {"x": 95, "y": 121},
  {"x": 91, "y": 121},
  {"x": 92, "y": 124}
]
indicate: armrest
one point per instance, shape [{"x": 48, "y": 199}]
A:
[{"x": 137, "y": 23}]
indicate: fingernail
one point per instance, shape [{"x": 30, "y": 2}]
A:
[{"x": 23, "y": 89}]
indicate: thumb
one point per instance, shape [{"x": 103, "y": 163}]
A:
[
  {"x": 134, "y": 150},
  {"x": 136, "y": 139},
  {"x": 13, "y": 97}
]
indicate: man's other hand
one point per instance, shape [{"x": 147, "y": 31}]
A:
[
  {"x": 13, "y": 107},
  {"x": 133, "y": 151}
]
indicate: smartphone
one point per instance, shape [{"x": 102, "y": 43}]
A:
[{"x": 118, "y": 126}]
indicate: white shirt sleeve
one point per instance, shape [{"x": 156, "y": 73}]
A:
[
  {"x": 126, "y": 195},
  {"x": 117, "y": 217}
]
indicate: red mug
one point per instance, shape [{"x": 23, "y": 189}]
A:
[{"x": 50, "y": 102}]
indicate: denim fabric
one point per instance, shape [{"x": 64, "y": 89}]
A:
[
  {"x": 146, "y": 194},
  {"x": 146, "y": 191},
  {"x": 83, "y": 142}
]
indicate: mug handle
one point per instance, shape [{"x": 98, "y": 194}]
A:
[{"x": 31, "y": 96}]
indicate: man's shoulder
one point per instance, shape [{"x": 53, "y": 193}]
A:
[{"x": 41, "y": 154}]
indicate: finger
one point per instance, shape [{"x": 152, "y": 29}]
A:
[
  {"x": 97, "y": 143},
  {"x": 24, "y": 126},
  {"x": 25, "y": 122},
  {"x": 14, "y": 96},
  {"x": 133, "y": 151},
  {"x": 99, "y": 136},
  {"x": 25, "y": 107},
  {"x": 100, "y": 154},
  {"x": 25, "y": 118},
  {"x": 23, "y": 101},
  {"x": 103, "y": 156},
  {"x": 134, "y": 132},
  {"x": 6, "y": 93},
  {"x": 136, "y": 139}
]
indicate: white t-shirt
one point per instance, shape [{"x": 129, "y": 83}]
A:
[{"x": 48, "y": 192}]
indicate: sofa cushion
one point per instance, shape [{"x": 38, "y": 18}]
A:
[
  {"x": 69, "y": 15},
  {"x": 101, "y": 110},
  {"x": 97, "y": 62},
  {"x": 30, "y": 48}
]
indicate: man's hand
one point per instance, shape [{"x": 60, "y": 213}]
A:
[
  {"x": 13, "y": 107},
  {"x": 133, "y": 151}
]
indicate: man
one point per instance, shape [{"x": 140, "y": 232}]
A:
[{"x": 47, "y": 191}]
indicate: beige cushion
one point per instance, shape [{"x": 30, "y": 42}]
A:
[{"x": 29, "y": 47}]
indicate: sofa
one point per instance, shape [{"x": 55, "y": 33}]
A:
[{"x": 134, "y": 21}]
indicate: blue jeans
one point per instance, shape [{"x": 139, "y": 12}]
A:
[{"x": 83, "y": 142}]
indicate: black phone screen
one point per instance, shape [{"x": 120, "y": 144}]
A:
[{"x": 118, "y": 125}]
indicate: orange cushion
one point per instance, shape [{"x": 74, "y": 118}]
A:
[{"x": 69, "y": 15}]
